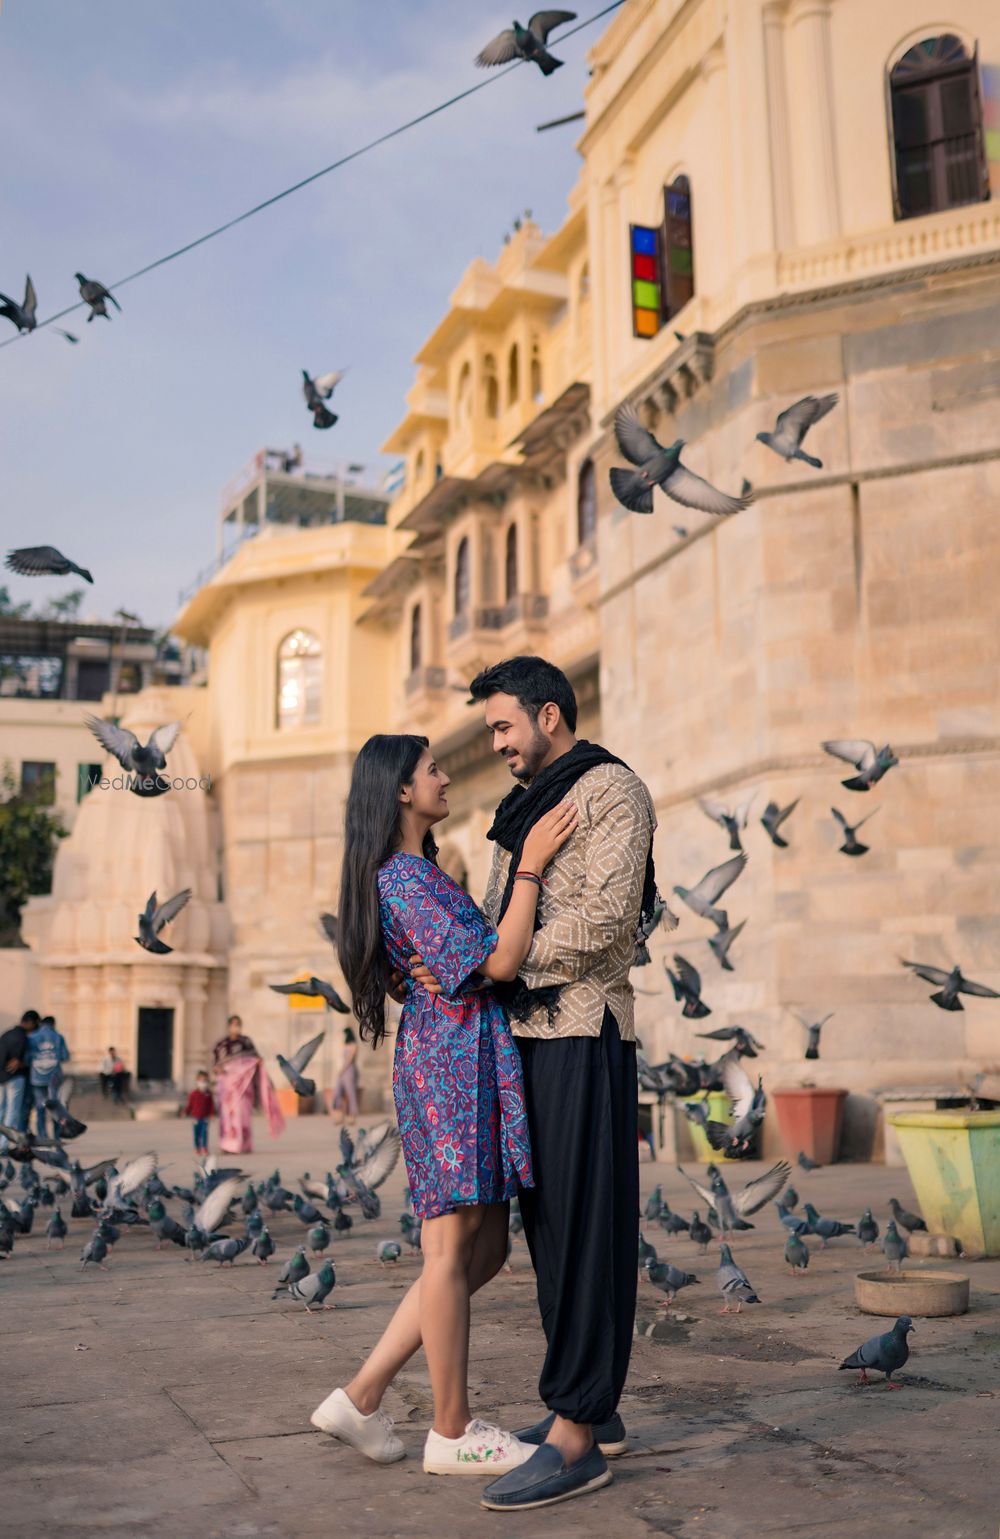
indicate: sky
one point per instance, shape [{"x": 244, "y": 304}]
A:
[{"x": 131, "y": 128}]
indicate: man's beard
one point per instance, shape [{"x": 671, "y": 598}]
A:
[{"x": 533, "y": 756}]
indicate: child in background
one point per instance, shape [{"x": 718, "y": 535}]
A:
[{"x": 200, "y": 1106}]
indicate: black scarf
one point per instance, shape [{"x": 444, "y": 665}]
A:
[{"x": 516, "y": 815}]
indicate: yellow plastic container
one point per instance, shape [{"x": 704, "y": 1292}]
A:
[
  {"x": 718, "y": 1111},
  {"x": 953, "y": 1158}
]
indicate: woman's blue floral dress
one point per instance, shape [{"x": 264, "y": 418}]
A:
[{"x": 456, "y": 1078}]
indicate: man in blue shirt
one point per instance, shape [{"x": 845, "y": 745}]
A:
[
  {"x": 47, "y": 1052},
  {"x": 14, "y": 1047}
]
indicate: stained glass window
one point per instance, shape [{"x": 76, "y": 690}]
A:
[
  {"x": 644, "y": 277},
  {"x": 937, "y": 128},
  {"x": 675, "y": 246}
]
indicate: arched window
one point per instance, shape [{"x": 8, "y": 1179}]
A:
[
  {"x": 677, "y": 254},
  {"x": 416, "y": 638},
  {"x": 513, "y": 375},
  {"x": 937, "y": 128},
  {"x": 462, "y": 578},
  {"x": 491, "y": 386},
  {"x": 510, "y": 564},
  {"x": 300, "y": 680},
  {"x": 586, "y": 503},
  {"x": 536, "y": 374},
  {"x": 463, "y": 395}
]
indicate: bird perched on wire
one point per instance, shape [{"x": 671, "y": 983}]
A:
[
  {"x": 772, "y": 818},
  {"x": 314, "y": 988},
  {"x": 318, "y": 390},
  {"x": 155, "y": 917},
  {"x": 852, "y": 844},
  {"x": 660, "y": 465},
  {"x": 734, "y": 1208},
  {"x": 737, "y": 1140},
  {"x": 25, "y": 315},
  {"x": 911, "y": 1222},
  {"x": 733, "y": 1283},
  {"x": 312, "y": 1291},
  {"x": 43, "y": 561},
  {"x": 96, "y": 296},
  {"x": 950, "y": 985},
  {"x": 812, "y": 1030},
  {"x": 142, "y": 761},
  {"x": 732, "y": 820},
  {"x": 794, "y": 423},
  {"x": 870, "y": 762},
  {"x": 292, "y": 1067},
  {"x": 702, "y": 898},
  {"x": 886, "y": 1353},
  {"x": 527, "y": 43},
  {"x": 744, "y": 1042},
  {"x": 719, "y": 945}
]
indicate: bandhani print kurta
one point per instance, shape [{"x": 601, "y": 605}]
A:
[{"x": 456, "y": 1078}]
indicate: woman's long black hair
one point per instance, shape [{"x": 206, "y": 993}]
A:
[{"x": 372, "y": 833}]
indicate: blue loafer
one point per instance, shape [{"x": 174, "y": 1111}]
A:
[
  {"x": 610, "y": 1436},
  {"x": 544, "y": 1479}
]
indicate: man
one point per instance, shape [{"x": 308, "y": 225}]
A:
[
  {"x": 571, "y": 1010},
  {"x": 14, "y": 1047},
  {"x": 47, "y": 1052}
]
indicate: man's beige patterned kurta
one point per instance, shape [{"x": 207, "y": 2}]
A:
[{"x": 590, "y": 909}]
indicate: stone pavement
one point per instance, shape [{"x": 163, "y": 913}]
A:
[{"x": 164, "y": 1398}]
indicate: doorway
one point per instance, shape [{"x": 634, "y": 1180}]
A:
[{"x": 156, "y": 1044}]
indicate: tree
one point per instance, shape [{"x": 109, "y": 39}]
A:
[
  {"x": 65, "y": 608},
  {"x": 28, "y": 835},
  {"x": 11, "y": 611}
]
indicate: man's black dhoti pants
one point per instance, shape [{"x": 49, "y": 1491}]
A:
[{"x": 581, "y": 1219}]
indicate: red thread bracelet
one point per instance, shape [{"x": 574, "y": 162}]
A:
[{"x": 532, "y": 876}]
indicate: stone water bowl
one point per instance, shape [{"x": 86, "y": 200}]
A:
[{"x": 911, "y": 1293}]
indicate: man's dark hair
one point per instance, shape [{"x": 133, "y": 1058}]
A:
[
  {"x": 48, "y": 1020},
  {"x": 532, "y": 681},
  {"x": 30, "y": 1019}
]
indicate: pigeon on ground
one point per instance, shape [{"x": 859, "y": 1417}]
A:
[
  {"x": 714, "y": 883},
  {"x": 806, "y": 1162},
  {"x": 812, "y": 1030},
  {"x": 744, "y": 1042},
  {"x": 163, "y": 1225},
  {"x": 96, "y": 296},
  {"x": 687, "y": 986},
  {"x": 672, "y": 1223},
  {"x": 342, "y": 1221},
  {"x": 253, "y": 1224},
  {"x": 319, "y": 1239},
  {"x": 870, "y": 762},
  {"x": 312, "y": 1291},
  {"x": 868, "y": 1230},
  {"x": 737, "y": 1140},
  {"x": 772, "y": 818},
  {"x": 791, "y": 1221},
  {"x": 789, "y": 1198},
  {"x": 904, "y": 1218},
  {"x": 95, "y": 1251},
  {"x": 43, "y": 561},
  {"x": 733, "y": 1209},
  {"x": 224, "y": 1251},
  {"x": 210, "y": 1214},
  {"x": 720, "y": 943},
  {"x": 951, "y": 984},
  {"x": 292, "y": 1068},
  {"x": 647, "y": 1252},
  {"x": 794, "y": 423},
  {"x": 388, "y": 1252},
  {"x": 886, "y": 1353},
  {"x": 123, "y": 1184},
  {"x": 527, "y": 43},
  {"x": 894, "y": 1246},
  {"x": 56, "y": 1229},
  {"x": 826, "y": 1228},
  {"x": 316, "y": 391},
  {"x": 155, "y": 917},
  {"x": 295, "y": 1268},
  {"x": 852, "y": 844},
  {"x": 411, "y": 1228},
  {"x": 263, "y": 1246},
  {"x": 248, "y": 1201},
  {"x": 669, "y": 1280},
  {"x": 314, "y": 988},
  {"x": 732, "y": 820},
  {"x": 661, "y": 466},
  {"x": 306, "y": 1212},
  {"x": 796, "y": 1254},
  {"x": 700, "y": 1232},
  {"x": 143, "y": 762},
  {"x": 654, "y": 1204},
  {"x": 733, "y": 1283}
]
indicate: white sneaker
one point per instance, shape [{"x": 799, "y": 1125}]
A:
[
  {"x": 371, "y": 1435},
  {"x": 481, "y": 1450}
]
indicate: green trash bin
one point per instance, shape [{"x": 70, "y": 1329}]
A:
[{"x": 718, "y": 1111}]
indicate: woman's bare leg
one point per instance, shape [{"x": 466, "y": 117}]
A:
[{"x": 402, "y": 1336}]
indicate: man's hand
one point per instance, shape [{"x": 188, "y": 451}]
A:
[{"x": 423, "y": 975}]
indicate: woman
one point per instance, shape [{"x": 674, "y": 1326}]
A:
[
  {"x": 346, "y": 1088},
  {"x": 242, "y": 1083},
  {"x": 457, "y": 1086}
]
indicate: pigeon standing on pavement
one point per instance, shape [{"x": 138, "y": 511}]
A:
[
  {"x": 852, "y": 844},
  {"x": 95, "y": 1250},
  {"x": 155, "y": 917},
  {"x": 292, "y": 1068},
  {"x": 224, "y": 1251},
  {"x": 295, "y": 1268},
  {"x": 789, "y": 1198},
  {"x": 794, "y": 423},
  {"x": 886, "y": 1353},
  {"x": 950, "y": 985},
  {"x": 319, "y": 1239},
  {"x": 56, "y": 1229},
  {"x": 894, "y": 1246},
  {"x": 868, "y": 1230},
  {"x": 826, "y": 1228},
  {"x": 669, "y": 1280},
  {"x": 806, "y": 1162},
  {"x": 870, "y": 762},
  {"x": 96, "y": 296},
  {"x": 701, "y": 899},
  {"x": 528, "y": 43},
  {"x": 700, "y": 1232},
  {"x": 904, "y": 1218},
  {"x": 796, "y": 1254},
  {"x": 43, "y": 561},
  {"x": 312, "y": 1291},
  {"x": 388, "y": 1252},
  {"x": 733, "y": 1283},
  {"x": 264, "y": 1247},
  {"x": 661, "y": 466},
  {"x": 772, "y": 818}
]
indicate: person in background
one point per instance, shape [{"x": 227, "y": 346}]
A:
[
  {"x": 47, "y": 1052},
  {"x": 232, "y": 1043},
  {"x": 346, "y": 1088},
  {"x": 242, "y": 1082},
  {"x": 14, "y": 1046},
  {"x": 114, "y": 1077},
  {"x": 200, "y": 1106}
]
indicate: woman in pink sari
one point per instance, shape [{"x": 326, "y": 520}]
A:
[{"x": 242, "y": 1083}]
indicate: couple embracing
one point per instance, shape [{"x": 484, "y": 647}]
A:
[{"x": 514, "y": 1073}]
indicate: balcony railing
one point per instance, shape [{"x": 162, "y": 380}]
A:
[
  {"x": 425, "y": 678},
  {"x": 529, "y": 607}
]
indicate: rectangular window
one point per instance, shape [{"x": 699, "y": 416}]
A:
[
  {"x": 38, "y": 780},
  {"x": 87, "y": 776},
  {"x": 644, "y": 279},
  {"x": 678, "y": 265}
]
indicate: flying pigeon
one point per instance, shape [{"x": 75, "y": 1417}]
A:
[
  {"x": 719, "y": 945},
  {"x": 796, "y": 1254},
  {"x": 66, "y": 1125},
  {"x": 660, "y": 466},
  {"x": 733, "y": 1282},
  {"x": 526, "y": 43},
  {"x": 660, "y": 915},
  {"x": 211, "y": 1213},
  {"x": 731, "y": 820},
  {"x": 806, "y": 1162},
  {"x": 870, "y": 762},
  {"x": 330, "y": 927},
  {"x": 894, "y": 1246},
  {"x": 868, "y": 1230},
  {"x": 794, "y": 423},
  {"x": 904, "y": 1218},
  {"x": 122, "y": 1184},
  {"x": 153, "y": 919},
  {"x": 314, "y": 988},
  {"x": 96, "y": 296},
  {"x": 745, "y": 1042},
  {"x": 886, "y": 1353},
  {"x": 951, "y": 984},
  {"x": 669, "y": 1280},
  {"x": 733, "y": 1209},
  {"x": 714, "y": 883},
  {"x": 696, "y": 1112},
  {"x": 687, "y": 986},
  {"x": 142, "y": 762},
  {"x": 24, "y": 316},
  {"x": 318, "y": 390},
  {"x": 387, "y": 1252},
  {"x": 312, "y": 1291},
  {"x": 43, "y": 561},
  {"x": 772, "y": 818},
  {"x": 812, "y": 1030},
  {"x": 292, "y": 1068},
  {"x": 852, "y": 845},
  {"x": 737, "y": 1139},
  {"x": 826, "y": 1228}
]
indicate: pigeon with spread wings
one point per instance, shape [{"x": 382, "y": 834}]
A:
[
  {"x": 660, "y": 465},
  {"x": 43, "y": 561},
  {"x": 143, "y": 763},
  {"x": 292, "y": 1067},
  {"x": 714, "y": 883},
  {"x": 314, "y": 988},
  {"x": 153, "y": 919},
  {"x": 528, "y": 43}
]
